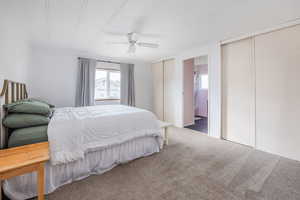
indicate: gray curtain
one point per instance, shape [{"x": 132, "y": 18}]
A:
[
  {"x": 86, "y": 82},
  {"x": 127, "y": 84}
]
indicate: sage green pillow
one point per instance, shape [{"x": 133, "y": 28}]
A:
[
  {"x": 41, "y": 101},
  {"x": 30, "y": 135},
  {"x": 29, "y": 107},
  {"x": 24, "y": 120}
]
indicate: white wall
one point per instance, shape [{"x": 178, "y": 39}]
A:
[
  {"x": 214, "y": 69},
  {"x": 53, "y": 75},
  {"x": 143, "y": 85},
  {"x": 14, "y": 49}
]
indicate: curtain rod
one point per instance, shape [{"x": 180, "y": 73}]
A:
[{"x": 105, "y": 61}]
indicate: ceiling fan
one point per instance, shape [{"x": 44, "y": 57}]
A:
[{"x": 133, "y": 43}]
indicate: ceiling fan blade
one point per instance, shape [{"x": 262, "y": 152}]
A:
[
  {"x": 131, "y": 48},
  {"x": 114, "y": 33},
  {"x": 118, "y": 43},
  {"x": 150, "y": 45}
]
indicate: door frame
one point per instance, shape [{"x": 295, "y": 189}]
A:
[{"x": 208, "y": 92}]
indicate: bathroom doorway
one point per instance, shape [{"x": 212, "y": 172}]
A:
[{"x": 196, "y": 88}]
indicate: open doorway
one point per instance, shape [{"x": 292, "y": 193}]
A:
[{"x": 196, "y": 93}]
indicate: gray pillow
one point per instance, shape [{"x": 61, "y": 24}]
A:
[
  {"x": 29, "y": 107},
  {"x": 30, "y": 135},
  {"x": 24, "y": 120}
]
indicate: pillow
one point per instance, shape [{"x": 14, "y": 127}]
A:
[
  {"x": 24, "y": 120},
  {"x": 30, "y": 107},
  {"x": 41, "y": 101},
  {"x": 30, "y": 135}
]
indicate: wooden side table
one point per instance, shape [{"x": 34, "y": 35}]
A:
[{"x": 25, "y": 159}]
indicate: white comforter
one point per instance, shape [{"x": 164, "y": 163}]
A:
[{"x": 72, "y": 132}]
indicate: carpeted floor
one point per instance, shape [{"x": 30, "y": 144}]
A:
[{"x": 193, "y": 166}]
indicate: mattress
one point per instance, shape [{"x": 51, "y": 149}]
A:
[
  {"x": 97, "y": 162},
  {"x": 73, "y": 131}
]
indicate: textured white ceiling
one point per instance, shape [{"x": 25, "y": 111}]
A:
[{"x": 88, "y": 25}]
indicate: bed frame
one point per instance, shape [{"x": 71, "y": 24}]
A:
[{"x": 12, "y": 91}]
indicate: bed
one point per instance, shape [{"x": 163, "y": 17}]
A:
[{"x": 85, "y": 141}]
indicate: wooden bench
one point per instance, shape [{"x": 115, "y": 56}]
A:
[
  {"x": 25, "y": 159},
  {"x": 164, "y": 126}
]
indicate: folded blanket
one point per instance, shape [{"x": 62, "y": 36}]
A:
[{"x": 72, "y": 132}]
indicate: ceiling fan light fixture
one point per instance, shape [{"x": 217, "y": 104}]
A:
[
  {"x": 131, "y": 48},
  {"x": 132, "y": 37}
]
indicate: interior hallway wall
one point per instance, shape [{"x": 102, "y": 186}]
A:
[{"x": 188, "y": 91}]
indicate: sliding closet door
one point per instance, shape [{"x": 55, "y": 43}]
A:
[
  {"x": 158, "y": 90},
  {"x": 169, "y": 91},
  {"x": 238, "y": 94},
  {"x": 277, "y": 56}
]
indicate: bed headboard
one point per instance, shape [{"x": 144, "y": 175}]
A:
[{"x": 12, "y": 91}]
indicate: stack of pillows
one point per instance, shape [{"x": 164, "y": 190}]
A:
[{"x": 27, "y": 121}]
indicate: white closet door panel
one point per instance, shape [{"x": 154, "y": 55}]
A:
[
  {"x": 278, "y": 92},
  {"x": 169, "y": 91},
  {"x": 158, "y": 90},
  {"x": 238, "y": 92}
]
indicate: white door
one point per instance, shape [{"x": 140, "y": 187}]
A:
[
  {"x": 238, "y": 94},
  {"x": 169, "y": 91},
  {"x": 158, "y": 90},
  {"x": 278, "y": 92}
]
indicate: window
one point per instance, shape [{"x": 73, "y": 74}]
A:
[
  {"x": 204, "y": 81},
  {"x": 107, "y": 84}
]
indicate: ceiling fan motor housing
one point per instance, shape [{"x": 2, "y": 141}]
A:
[{"x": 132, "y": 37}]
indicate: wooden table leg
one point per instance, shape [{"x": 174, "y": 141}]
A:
[
  {"x": 166, "y": 135},
  {"x": 0, "y": 189},
  {"x": 41, "y": 181}
]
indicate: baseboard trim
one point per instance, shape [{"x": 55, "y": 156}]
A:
[{"x": 189, "y": 124}]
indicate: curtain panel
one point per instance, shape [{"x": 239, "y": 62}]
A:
[
  {"x": 85, "y": 93},
  {"x": 127, "y": 84}
]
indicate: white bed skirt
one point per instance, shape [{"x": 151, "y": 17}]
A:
[{"x": 98, "y": 162}]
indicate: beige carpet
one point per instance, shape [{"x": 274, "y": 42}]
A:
[{"x": 193, "y": 166}]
